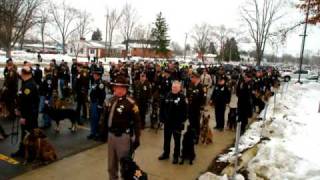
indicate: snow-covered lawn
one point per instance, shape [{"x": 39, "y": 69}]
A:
[{"x": 293, "y": 127}]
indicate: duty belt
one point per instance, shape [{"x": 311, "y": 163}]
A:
[{"x": 118, "y": 131}]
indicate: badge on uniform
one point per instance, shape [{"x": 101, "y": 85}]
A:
[
  {"x": 177, "y": 101},
  {"x": 26, "y": 91},
  {"x": 120, "y": 109},
  {"x": 144, "y": 88},
  {"x": 101, "y": 86},
  {"x": 49, "y": 82}
]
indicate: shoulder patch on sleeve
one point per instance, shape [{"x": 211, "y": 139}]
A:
[
  {"x": 135, "y": 109},
  {"x": 27, "y": 91}
]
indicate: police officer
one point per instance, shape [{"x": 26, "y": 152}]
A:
[
  {"x": 64, "y": 78},
  {"x": 220, "y": 98},
  {"x": 74, "y": 72},
  {"x": 37, "y": 75},
  {"x": 97, "y": 96},
  {"x": 196, "y": 99},
  {"x": 45, "y": 92},
  {"x": 244, "y": 93},
  {"x": 82, "y": 87},
  {"x": 10, "y": 88},
  {"x": 164, "y": 85},
  {"x": 142, "y": 94},
  {"x": 175, "y": 114},
  {"x": 27, "y": 106},
  {"x": 122, "y": 118}
]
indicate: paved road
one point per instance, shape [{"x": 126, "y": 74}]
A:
[{"x": 92, "y": 164}]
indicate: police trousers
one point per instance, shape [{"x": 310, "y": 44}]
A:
[
  {"x": 219, "y": 112},
  {"x": 168, "y": 133},
  {"x": 118, "y": 147}
]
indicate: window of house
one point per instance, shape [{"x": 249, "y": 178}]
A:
[
  {"x": 71, "y": 50},
  {"x": 81, "y": 50},
  {"x": 91, "y": 51}
]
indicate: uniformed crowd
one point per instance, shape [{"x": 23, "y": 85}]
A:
[{"x": 174, "y": 93}]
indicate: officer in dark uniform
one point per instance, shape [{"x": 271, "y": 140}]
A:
[
  {"x": 220, "y": 98},
  {"x": 45, "y": 91},
  {"x": 10, "y": 88},
  {"x": 259, "y": 88},
  {"x": 142, "y": 95},
  {"x": 27, "y": 106},
  {"x": 244, "y": 93},
  {"x": 37, "y": 75},
  {"x": 175, "y": 114},
  {"x": 82, "y": 87},
  {"x": 122, "y": 118},
  {"x": 164, "y": 85},
  {"x": 100, "y": 68},
  {"x": 196, "y": 100},
  {"x": 9, "y": 62},
  {"x": 55, "y": 72},
  {"x": 97, "y": 96},
  {"x": 74, "y": 72},
  {"x": 64, "y": 78}
]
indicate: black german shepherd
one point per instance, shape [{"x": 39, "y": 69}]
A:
[
  {"x": 60, "y": 114},
  {"x": 188, "y": 143}
]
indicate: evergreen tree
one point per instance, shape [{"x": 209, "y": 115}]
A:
[
  {"x": 212, "y": 48},
  {"x": 96, "y": 35},
  {"x": 159, "y": 35},
  {"x": 231, "y": 48}
]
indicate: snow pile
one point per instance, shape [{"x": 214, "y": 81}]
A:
[
  {"x": 292, "y": 125},
  {"x": 292, "y": 152},
  {"x": 251, "y": 137},
  {"x": 211, "y": 176}
]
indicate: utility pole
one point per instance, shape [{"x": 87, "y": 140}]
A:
[
  {"x": 230, "y": 46},
  {"x": 185, "y": 47},
  {"x": 106, "y": 46},
  {"x": 303, "y": 41}
]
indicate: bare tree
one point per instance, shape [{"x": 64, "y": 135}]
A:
[
  {"x": 176, "y": 48},
  {"x": 17, "y": 17},
  {"x": 83, "y": 24},
  {"x": 201, "y": 34},
  {"x": 260, "y": 16},
  {"x": 44, "y": 19},
  {"x": 221, "y": 34},
  {"x": 64, "y": 18},
  {"x": 129, "y": 20},
  {"x": 112, "y": 22},
  {"x": 75, "y": 44},
  {"x": 142, "y": 34}
]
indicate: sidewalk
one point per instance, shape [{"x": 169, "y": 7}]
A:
[{"x": 92, "y": 164}]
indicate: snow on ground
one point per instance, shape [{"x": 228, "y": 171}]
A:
[
  {"x": 292, "y": 125},
  {"x": 293, "y": 151}
]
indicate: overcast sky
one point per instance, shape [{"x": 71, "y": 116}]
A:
[{"x": 182, "y": 15}]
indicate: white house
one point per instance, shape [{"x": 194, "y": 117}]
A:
[{"x": 83, "y": 48}]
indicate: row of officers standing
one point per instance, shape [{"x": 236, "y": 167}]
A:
[{"x": 175, "y": 94}]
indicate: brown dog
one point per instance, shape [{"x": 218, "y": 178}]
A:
[
  {"x": 206, "y": 134},
  {"x": 37, "y": 147}
]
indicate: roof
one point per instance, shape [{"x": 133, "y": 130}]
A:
[{"x": 38, "y": 46}]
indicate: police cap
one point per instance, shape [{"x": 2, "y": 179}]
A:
[{"x": 120, "y": 81}]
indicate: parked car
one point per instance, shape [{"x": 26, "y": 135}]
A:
[{"x": 286, "y": 75}]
